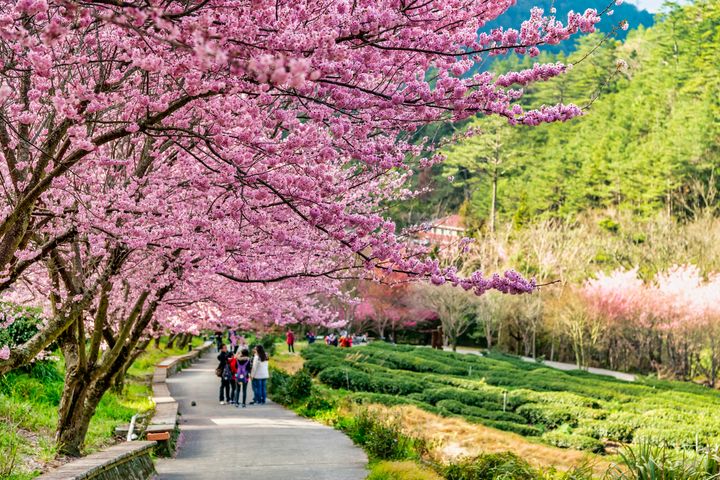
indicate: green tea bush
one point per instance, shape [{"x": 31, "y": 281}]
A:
[
  {"x": 617, "y": 431},
  {"x": 519, "y": 428},
  {"x": 367, "y": 398},
  {"x": 553, "y": 416},
  {"x": 569, "y": 440},
  {"x": 453, "y": 406},
  {"x": 487, "y": 400},
  {"x": 351, "y": 379},
  {"x": 538, "y": 400}
]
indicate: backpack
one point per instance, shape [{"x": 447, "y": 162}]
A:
[
  {"x": 242, "y": 371},
  {"x": 227, "y": 373}
]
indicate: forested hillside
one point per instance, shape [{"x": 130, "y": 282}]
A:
[
  {"x": 648, "y": 143},
  {"x": 625, "y": 11}
]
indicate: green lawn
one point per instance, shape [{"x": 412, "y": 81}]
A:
[
  {"x": 29, "y": 400},
  {"x": 567, "y": 409}
]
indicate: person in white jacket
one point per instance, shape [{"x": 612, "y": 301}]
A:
[{"x": 259, "y": 374}]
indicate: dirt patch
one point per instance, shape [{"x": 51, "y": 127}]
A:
[
  {"x": 455, "y": 437},
  {"x": 289, "y": 362}
]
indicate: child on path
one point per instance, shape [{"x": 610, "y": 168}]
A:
[
  {"x": 243, "y": 368},
  {"x": 259, "y": 374}
]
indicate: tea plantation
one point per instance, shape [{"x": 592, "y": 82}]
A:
[{"x": 566, "y": 409}]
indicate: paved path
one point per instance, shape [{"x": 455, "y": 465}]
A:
[
  {"x": 628, "y": 377},
  {"x": 266, "y": 442}
]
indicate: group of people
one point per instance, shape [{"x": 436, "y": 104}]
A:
[
  {"x": 237, "y": 369},
  {"x": 344, "y": 340}
]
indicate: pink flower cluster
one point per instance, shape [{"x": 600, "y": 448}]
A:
[{"x": 224, "y": 162}]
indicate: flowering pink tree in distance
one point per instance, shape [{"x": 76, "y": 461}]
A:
[
  {"x": 149, "y": 150},
  {"x": 672, "y": 319}
]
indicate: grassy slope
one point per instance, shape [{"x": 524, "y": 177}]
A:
[{"x": 28, "y": 412}]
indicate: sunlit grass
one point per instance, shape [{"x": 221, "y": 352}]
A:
[
  {"x": 404, "y": 470},
  {"x": 455, "y": 437},
  {"x": 29, "y": 402},
  {"x": 290, "y": 362}
]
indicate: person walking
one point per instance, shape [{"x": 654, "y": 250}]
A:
[
  {"x": 242, "y": 375},
  {"x": 225, "y": 374},
  {"x": 290, "y": 339},
  {"x": 259, "y": 374}
]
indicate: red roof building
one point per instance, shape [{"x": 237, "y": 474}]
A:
[{"x": 444, "y": 231}]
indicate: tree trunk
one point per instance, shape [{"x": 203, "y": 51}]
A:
[
  {"x": 493, "y": 200},
  {"x": 182, "y": 341},
  {"x": 534, "y": 344},
  {"x": 78, "y": 405},
  {"x": 171, "y": 340}
]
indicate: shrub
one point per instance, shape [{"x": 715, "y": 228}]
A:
[
  {"x": 617, "y": 431},
  {"x": 492, "y": 466},
  {"x": 268, "y": 342},
  {"x": 300, "y": 385},
  {"x": 318, "y": 363},
  {"x": 405, "y": 470},
  {"x": 23, "y": 328},
  {"x": 315, "y": 405},
  {"x": 356, "y": 380},
  {"x": 382, "y": 439},
  {"x": 287, "y": 389},
  {"x": 569, "y": 440},
  {"x": 520, "y": 429},
  {"x": 454, "y": 406},
  {"x": 483, "y": 399},
  {"x": 656, "y": 462},
  {"x": 277, "y": 386},
  {"x": 553, "y": 416}
]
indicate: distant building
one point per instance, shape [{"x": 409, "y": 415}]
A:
[{"x": 443, "y": 231}]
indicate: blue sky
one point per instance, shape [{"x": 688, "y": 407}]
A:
[{"x": 649, "y": 5}]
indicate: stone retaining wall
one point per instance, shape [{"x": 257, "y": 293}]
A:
[
  {"x": 166, "y": 408},
  {"x": 131, "y": 460},
  {"x": 124, "y": 461}
]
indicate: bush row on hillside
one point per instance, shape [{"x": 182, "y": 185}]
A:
[{"x": 577, "y": 410}]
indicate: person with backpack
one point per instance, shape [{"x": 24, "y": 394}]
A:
[
  {"x": 243, "y": 365},
  {"x": 259, "y": 374},
  {"x": 224, "y": 373}
]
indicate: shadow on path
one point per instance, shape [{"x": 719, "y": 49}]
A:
[{"x": 266, "y": 442}]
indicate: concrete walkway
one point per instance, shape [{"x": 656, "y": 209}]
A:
[
  {"x": 628, "y": 377},
  {"x": 265, "y": 441}
]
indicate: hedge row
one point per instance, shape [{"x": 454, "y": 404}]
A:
[{"x": 574, "y": 409}]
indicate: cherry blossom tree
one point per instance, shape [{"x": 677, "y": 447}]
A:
[{"x": 151, "y": 151}]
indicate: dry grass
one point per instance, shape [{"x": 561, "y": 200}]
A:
[
  {"x": 455, "y": 437},
  {"x": 290, "y": 362},
  {"x": 405, "y": 470}
]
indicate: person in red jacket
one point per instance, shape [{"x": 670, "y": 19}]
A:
[
  {"x": 233, "y": 364},
  {"x": 290, "y": 339}
]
